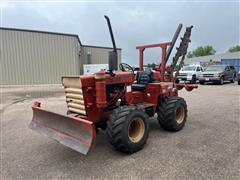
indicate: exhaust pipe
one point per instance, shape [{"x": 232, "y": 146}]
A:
[{"x": 113, "y": 56}]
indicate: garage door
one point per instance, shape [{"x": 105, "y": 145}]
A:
[{"x": 233, "y": 62}]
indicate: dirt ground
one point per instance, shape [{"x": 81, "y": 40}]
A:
[{"x": 207, "y": 148}]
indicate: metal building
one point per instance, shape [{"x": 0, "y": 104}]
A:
[
  {"x": 95, "y": 55},
  {"x": 223, "y": 58},
  {"x": 36, "y": 57},
  {"x": 232, "y": 62},
  {"x": 215, "y": 57}
]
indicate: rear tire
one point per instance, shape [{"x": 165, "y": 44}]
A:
[
  {"x": 128, "y": 129},
  {"x": 172, "y": 113}
]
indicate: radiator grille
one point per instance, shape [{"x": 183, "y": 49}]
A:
[
  {"x": 182, "y": 74},
  {"x": 208, "y": 75},
  {"x": 74, "y": 95}
]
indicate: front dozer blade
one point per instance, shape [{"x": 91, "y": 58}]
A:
[{"x": 76, "y": 133}]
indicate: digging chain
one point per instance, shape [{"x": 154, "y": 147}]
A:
[{"x": 181, "y": 51}]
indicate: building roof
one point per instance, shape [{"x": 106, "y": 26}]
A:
[
  {"x": 104, "y": 47},
  {"x": 55, "y": 33},
  {"x": 215, "y": 57},
  {"x": 37, "y": 31}
]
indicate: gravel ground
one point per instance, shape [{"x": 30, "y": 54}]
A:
[{"x": 207, "y": 148}]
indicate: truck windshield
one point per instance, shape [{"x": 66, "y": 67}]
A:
[
  {"x": 215, "y": 68},
  {"x": 188, "y": 68}
]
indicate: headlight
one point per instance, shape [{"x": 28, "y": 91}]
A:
[
  {"x": 200, "y": 75},
  {"x": 189, "y": 74},
  {"x": 216, "y": 74}
]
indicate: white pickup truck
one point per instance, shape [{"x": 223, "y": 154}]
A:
[{"x": 190, "y": 73}]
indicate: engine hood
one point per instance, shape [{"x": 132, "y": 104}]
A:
[
  {"x": 188, "y": 72},
  {"x": 212, "y": 72}
]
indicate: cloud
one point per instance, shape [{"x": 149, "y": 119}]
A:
[{"x": 133, "y": 23}]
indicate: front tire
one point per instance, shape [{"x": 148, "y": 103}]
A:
[
  {"x": 128, "y": 129},
  {"x": 194, "y": 80},
  {"x": 233, "y": 78},
  {"x": 172, "y": 113},
  {"x": 221, "y": 81}
]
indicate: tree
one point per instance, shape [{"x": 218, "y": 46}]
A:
[
  {"x": 202, "y": 51},
  {"x": 234, "y": 48},
  {"x": 153, "y": 65}
]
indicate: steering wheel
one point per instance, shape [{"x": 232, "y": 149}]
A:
[{"x": 125, "y": 67}]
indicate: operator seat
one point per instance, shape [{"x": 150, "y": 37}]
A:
[{"x": 143, "y": 78}]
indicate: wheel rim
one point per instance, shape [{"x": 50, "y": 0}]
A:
[
  {"x": 221, "y": 80},
  {"x": 180, "y": 114},
  {"x": 136, "y": 129}
]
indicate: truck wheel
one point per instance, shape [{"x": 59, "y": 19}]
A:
[
  {"x": 232, "y": 80},
  {"x": 128, "y": 129},
  {"x": 194, "y": 80},
  {"x": 238, "y": 82},
  {"x": 221, "y": 81},
  {"x": 172, "y": 113}
]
